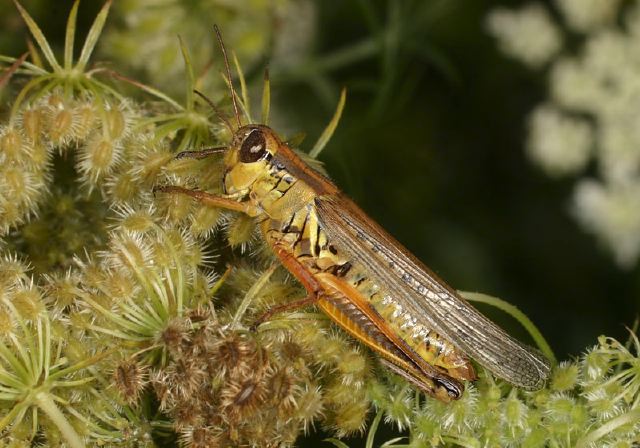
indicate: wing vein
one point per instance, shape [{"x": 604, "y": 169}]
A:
[{"x": 428, "y": 298}]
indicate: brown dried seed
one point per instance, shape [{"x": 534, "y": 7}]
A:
[{"x": 130, "y": 380}]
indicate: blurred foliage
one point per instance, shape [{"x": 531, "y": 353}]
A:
[
  {"x": 590, "y": 118},
  {"x": 431, "y": 144}
]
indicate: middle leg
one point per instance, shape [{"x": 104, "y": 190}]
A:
[{"x": 314, "y": 289}]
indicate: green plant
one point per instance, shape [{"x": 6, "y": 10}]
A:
[{"x": 124, "y": 326}]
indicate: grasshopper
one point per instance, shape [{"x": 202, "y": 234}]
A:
[{"x": 358, "y": 274}]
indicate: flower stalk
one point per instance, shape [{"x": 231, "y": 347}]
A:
[{"x": 49, "y": 407}]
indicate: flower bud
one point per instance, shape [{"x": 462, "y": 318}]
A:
[
  {"x": 60, "y": 125},
  {"x": 98, "y": 157},
  {"x": 12, "y": 145},
  {"x": 114, "y": 122},
  {"x": 33, "y": 123},
  {"x": 85, "y": 120}
]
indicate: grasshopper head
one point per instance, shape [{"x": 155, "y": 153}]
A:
[{"x": 247, "y": 158}]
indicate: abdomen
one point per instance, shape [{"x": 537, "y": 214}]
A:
[{"x": 357, "y": 302}]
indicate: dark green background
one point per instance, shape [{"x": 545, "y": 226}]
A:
[
  {"x": 432, "y": 145},
  {"x": 441, "y": 165}
]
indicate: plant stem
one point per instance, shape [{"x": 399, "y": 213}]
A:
[
  {"x": 516, "y": 314},
  {"x": 251, "y": 295},
  {"x": 46, "y": 403},
  {"x": 625, "y": 419}
]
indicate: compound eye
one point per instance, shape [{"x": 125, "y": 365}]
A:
[{"x": 254, "y": 147}]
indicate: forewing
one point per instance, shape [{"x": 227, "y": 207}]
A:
[{"x": 420, "y": 292}]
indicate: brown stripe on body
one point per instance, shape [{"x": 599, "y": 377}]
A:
[{"x": 299, "y": 169}]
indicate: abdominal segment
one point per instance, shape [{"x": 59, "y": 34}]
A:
[
  {"x": 350, "y": 318},
  {"x": 362, "y": 307},
  {"x": 425, "y": 348}
]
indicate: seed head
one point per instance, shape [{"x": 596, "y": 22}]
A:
[
  {"x": 130, "y": 379},
  {"x": 176, "y": 208},
  {"x": 60, "y": 122},
  {"x": 13, "y": 147},
  {"x": 565, "y": 376},
  {"x": 115, "y": 121},
  {"x": 128, "y": 251},
  {"x": 188, "y": 414},
  {"x": 23, "y": 187},
  {"x": 282, "y": 389},
  {"x": 595, "y": 365},
  {"x": 240, "y": 399},
  {"x": 175, "y": 335},
  {"x": 240, "y": 231},
  {"x": 399, "y": 407},
  {"x": 28, "y": 301},
  {"x": 515, "y": 415},
  {"x": 121, "y": 187},
  {"x": 85, "y": 118},
  {"x": 7, "y": 322},
  {"x": 232, "y": 354},
  {"x": 201, "y": 342},
  {"x": 186, "y": 378},
  {"x": 602, "y": 402},
  {"x": 352, "y": 368},
  {"x": 33, "y": 123},
  {"x": 202, "y": 437},
  {"x": 135, "y": 220},
  {"x": 565, "y": 415},
  {"x": 149, "y": 160},
  {"x": 351, "y": 418},
  {"x": 204, "y": 221},
  {"x": 310, "y": 406},
  {"x": 160, "y": 382},
  {"x": 98, "y": 157}
]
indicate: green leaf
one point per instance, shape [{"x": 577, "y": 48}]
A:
[
  {"x": 70, "y": 35},
  {"x": 251, "y": 295},
  {"x": 46, "y": 348},
  {"x": 336, "y": 442},
  {"x": 150, "y": 90},
  {"x": 16, "y": 413},
  {"x": 373, "y": 429},
  {"x": 92, "y": 36},
  {"x": 331, "y": 127},
  {"x": 35, "y": 55},
  {"x": 590, "y": 439},
  {"x": 296, "y": 139},
  {"x": 37, "y": 34},
  {"x": 25, "y": 66},
  {"x": 243, "y": 87},
  {"x": 266, "y": 97},
  {"x": 392, "y": 443},
  {"x": 189, "y": 70}
]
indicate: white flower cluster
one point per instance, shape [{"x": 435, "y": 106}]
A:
[
  {"x": 613, "y": 212},
  {"x": 559, "y": 143},
  {"x": 528, "y": 35},
  {"x": 593, "y": 112},
  {"x": 588, "y": 15}
]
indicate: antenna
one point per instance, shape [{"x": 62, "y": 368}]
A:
[
  {"x": 226, "y": 63},
  {"x": 215, "y": 108}
]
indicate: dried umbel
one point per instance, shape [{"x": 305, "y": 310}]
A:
[
  {"x": 209, "y": 385},
  {"x": 130, "y": 379}
]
